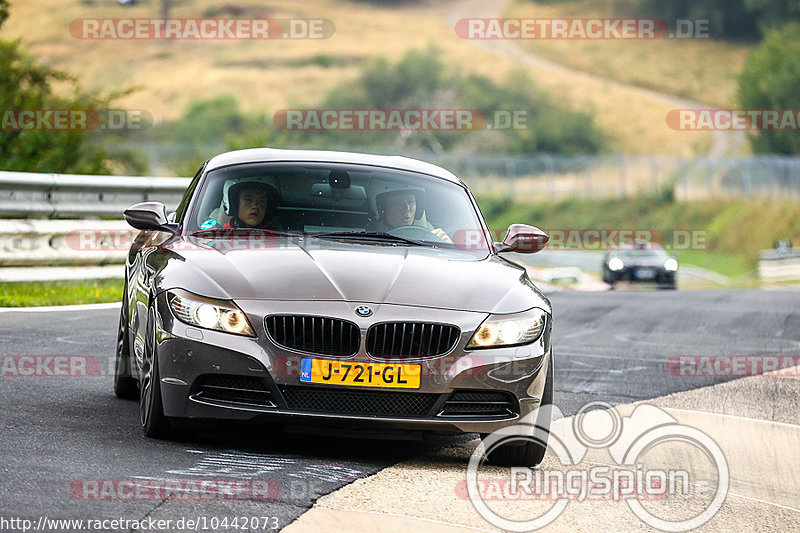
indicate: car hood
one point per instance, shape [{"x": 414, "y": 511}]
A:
[{"x": 322, "y": 269}]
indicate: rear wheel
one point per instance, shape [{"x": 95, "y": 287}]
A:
[
  {"x": 151, "y": 409},
  {"x": 125, "y": 385},
  {"x": 531, "y": 452}
]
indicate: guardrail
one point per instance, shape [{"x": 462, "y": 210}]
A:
[
  {"x": 50, "y": 242},
  {"x": 64, "y": 242},
  {"x": 34, "y": 195},
  {"x": 774, "y": 265}
]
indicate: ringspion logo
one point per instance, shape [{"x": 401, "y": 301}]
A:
[{"x": 649, "y": 431}]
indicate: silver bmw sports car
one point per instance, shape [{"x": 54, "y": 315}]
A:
[{"x": 334, "y": 291}]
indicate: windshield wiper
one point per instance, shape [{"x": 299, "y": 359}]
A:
[{"x": 377, "y": 236}]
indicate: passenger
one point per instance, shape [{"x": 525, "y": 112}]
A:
[{"x": 252, "y": 204}]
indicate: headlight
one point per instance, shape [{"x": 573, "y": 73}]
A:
[
  {"x": 509, "y": 330},
  {"x": 209, "y": 314},
  {"x": 615, "y": 264},
  {"x": 671, "y": 265}
]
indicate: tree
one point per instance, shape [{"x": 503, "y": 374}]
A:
[
  {"x": 772, "y": 14},
  {"x": 3, "y": 11},
  {"x": 769, "y": 81},
  {"x": 27, "y": 85}
]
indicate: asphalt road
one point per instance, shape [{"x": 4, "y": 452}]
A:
[{"x": 58, "y": 435}]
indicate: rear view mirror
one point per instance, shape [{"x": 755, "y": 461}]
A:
[
  {"x": 324, "y": 190},
  {"x": 523, "y": 239}
]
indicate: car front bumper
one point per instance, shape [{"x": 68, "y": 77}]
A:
[
  {"x": 635, "y": 274},
  {"x": 189, "y": 358}
]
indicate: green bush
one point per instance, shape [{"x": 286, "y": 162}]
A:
[
  {"x": 421, "y": 80},
  {"x": 770, "y": 80},
  {"x": 27, "y": 85}
]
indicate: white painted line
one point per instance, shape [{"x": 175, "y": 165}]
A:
[
  {"x": 47, "y": 309},
  {"x": 731, "y": 493}
]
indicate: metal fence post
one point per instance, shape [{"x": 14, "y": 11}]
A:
[
  {"x": 550, "y": 169},
  {"x": 511, "y": 176},
  {"x": 653, "y": 172}
]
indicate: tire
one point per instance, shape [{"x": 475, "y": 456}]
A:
[
  {"x": 532, "y": 452},
  {"x": 125, "y": 385},
  {"x": 151, "y": 408}
]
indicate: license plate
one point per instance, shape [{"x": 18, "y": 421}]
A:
[
  {"x": 645, "y": 274},
  {"x": 385, "y": 375}
]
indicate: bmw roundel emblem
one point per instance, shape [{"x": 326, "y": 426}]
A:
[{"x": 363, "y": 310}]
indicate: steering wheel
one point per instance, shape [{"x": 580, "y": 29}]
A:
[{"x": 414, "y": 232}]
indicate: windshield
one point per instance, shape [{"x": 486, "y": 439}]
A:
[
  {"x": 334, "y": 201},
  {"x": 643, "y": 253}
]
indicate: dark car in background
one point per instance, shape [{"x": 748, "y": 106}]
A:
[
  {"x": 370, "y": 298},
  {"x": 640, "y": 263}
]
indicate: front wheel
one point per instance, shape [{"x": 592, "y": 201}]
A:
[
  {"x": 125, "y": 385},
  {"x": 531, "y": 452},
  {"x": 151, "y": 409}
]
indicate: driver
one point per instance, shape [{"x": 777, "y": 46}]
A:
[{"x": 399, "y": 208}]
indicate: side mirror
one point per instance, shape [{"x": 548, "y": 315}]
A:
[
  {"x": 149, "y": 216},
  {"x": 523, "y": 239}
]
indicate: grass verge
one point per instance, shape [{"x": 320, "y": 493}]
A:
[{"x": 32, "y": 294}]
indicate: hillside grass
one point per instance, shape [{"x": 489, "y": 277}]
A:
[
  {"x": 702, "y": 70},
  {"x": 264, "y": 75},
  {"x": 269, "y": 76},
  {"x": 736, "y": 230}
]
